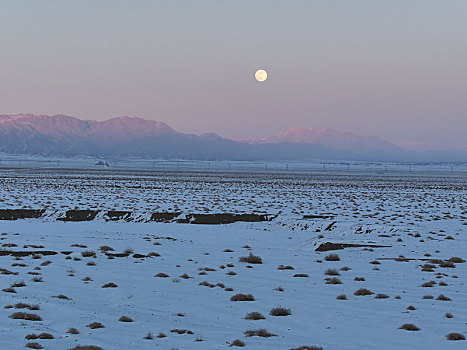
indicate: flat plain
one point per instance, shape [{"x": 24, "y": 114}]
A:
[{"x": 332, "y": 261}]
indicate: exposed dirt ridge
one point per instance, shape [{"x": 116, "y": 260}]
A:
[{"x": 115, "y": 215}]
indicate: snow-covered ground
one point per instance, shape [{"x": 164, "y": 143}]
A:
[{"x": 421, "y": 219}]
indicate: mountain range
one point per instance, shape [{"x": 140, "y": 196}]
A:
[{"x": 62, "y": 135}]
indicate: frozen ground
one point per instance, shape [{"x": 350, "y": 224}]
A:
[{"x": 422, "y": 220}]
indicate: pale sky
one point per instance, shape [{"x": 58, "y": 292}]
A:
[{"x": 394, "y": 69}]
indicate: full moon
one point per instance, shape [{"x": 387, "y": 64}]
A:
[{"x": 261, "y": 75}]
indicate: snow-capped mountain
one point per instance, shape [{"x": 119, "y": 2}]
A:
[
  {"x": 132, "y": 136},
  {"x": 329, "y": 137}
]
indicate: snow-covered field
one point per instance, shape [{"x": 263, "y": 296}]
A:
[{"x": 420, "y": 219}]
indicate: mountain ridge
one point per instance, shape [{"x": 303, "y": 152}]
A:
[{"x": 65, "y": 135}]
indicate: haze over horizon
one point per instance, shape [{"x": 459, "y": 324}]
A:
[{"x": 395, "y": 70}]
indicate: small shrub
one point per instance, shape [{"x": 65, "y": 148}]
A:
[
  {"x": 18, "y": 284},
  {"x": 448, "y": 315},
  {"x": 34, "y": 346},
  {"x": 341, "y": 297},
  {"x": 25, "y": 316},
  {"x": 86, "y": 347},
  {"x": 161, "y": 335},
  {"x": 73, "y": 331},
  {"x": 409, "y": 327},
  {"x": 456, "y": 260},
  {"x": 95, "y": 325},
  {"x": 428, "y": 284},
  {"x": 237, "y": 342},
  {"x": 455, "y": 336},
  {"x": 443, "y": 298},
  {"x": 333, "y": 280},
  {"x": 125, "y": 319},
  {"x": 447, "y": 264},
  {"x": 88, "y": 254},
  {"x": 242, "y": 297},
  {"x": 411, "y": 307},
  {"x": 283, "y": 267},
  {"x": 259, "y": 333},
  {"x": 301, "y": 275},
  {"x": 105, "y": 248},
  {"x": 61, "y": 296},
  {"x": 46, "y": 336},
  {"x": 280, "y": 311},
  {"x": 109, "y": 285},
  {"x": 332, "y": 272},
  {"x": 332, "y": 257},
  {"x": 381, "y": 296},
  {"x": 148, "y": 336},
  {"x": 254, "y": 316},
  {"x": 306, "y": 347},
  {"x": 251, "y": 259},
  {"x": 162, "y": 275},
  {"x": 363, "y": 291},
  {"x": 9, "y": 290}
]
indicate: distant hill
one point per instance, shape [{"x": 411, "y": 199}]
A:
[{"x": 131, "y": 136}]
